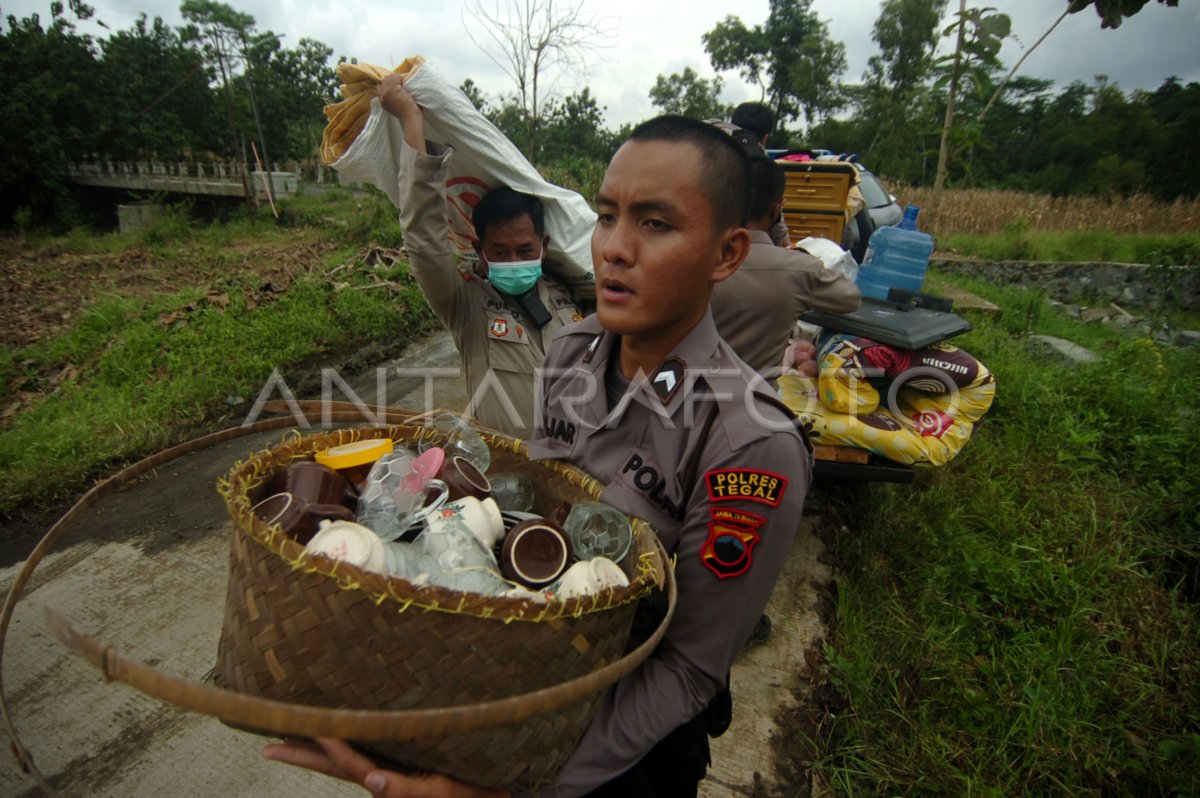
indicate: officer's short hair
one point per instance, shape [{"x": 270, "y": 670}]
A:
[
  {"x": 504, "y": 205},
  {"x": 756, "y": 117},
  {"x": 769, "y": 182},
  {"x": 724, "y": 168}
]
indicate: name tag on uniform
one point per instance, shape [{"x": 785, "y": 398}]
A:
[
  {"x": 647, "y": 479},
  {"x": 745, "y": 484}
]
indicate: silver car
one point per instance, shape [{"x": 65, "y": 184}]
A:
[{"x": 885, "y": 212}]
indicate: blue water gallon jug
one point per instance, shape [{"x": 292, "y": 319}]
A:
[{"x": 896, "y": 257}]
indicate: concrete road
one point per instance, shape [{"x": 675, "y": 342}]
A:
[{"x": 145, "y": 571}]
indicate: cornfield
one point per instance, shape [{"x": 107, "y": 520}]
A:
[{"x": 985, "y": 211}]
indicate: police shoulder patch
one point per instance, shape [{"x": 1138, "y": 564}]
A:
[
  {"x": 745, "y": 484},
  {"x": 732, "y": 534}
]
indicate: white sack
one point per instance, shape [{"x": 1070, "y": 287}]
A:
[
  {"x": 830, "y": 254},
  {"x": 483, "y": 158}
]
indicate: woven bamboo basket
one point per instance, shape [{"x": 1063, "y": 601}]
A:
[{"x": 495, "y": 691}]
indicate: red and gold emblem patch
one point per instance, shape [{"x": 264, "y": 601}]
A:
[
  {"x": 499, "y": 328},
  {"x": 731, "y": 538}
]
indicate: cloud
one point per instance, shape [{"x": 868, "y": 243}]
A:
[{"x": 664, "y": 37}]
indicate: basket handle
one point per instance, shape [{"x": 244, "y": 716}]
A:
[
  {"x": 341, "y": 412},
  {"x": 110, "y": 485},
  {"x": 301, "y": 720}
]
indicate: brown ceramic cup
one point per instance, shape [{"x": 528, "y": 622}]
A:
[
  {"x": 535, "y": 553},
  {"x": 299, "y": 518},
  {"x": 463, "y": 478},
  {"x": 311, "y": 481}
]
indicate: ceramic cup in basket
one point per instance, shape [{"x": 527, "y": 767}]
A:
[
  {"x": 298, "y": 517},
  {"x": 536, "y": 552},
  {"x": 463, "y": 478},
  {"x": 311, "y": 481},
  {"x": 459, "y": 535}
]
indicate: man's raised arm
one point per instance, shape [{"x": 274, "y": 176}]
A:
[{"x": 422, "y": 178}]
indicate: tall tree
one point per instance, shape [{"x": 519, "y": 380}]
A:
[
  {"x": 471, "y": 89},
  {"x": 1115, "y": 121},
  {"x": 907, "y": 34},
  {"x": 574, "y": 128},
  {"x": 790, "y": 56},
  {"x": 219, "y": 31},
  {"x": 689, "y": 95},
  {"x": 52, "y": 103},
  {"x": 815, "y": 75},
  {"x": 979, "y": 33},
  {"x": 1063, "y": 143},
  {"x": 156, "y": 94},
  {"x": 1173, "y": 152},
  {"x": 290, "y": 87},
  {"x": 534, "y": 41},
  {"x": 509, "y": 117}
]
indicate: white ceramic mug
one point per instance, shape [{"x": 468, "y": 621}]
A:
[
  {"x": 351, "y": 543},
  {"x": 589, "y": 577},
  {"x": 480, "y": 516}
]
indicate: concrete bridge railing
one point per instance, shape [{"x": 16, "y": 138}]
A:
[{"x": 195, "y": 177}]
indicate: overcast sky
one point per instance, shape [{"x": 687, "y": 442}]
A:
[{"x": 653, "y": 37}]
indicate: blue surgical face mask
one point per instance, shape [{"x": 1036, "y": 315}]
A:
[{"x": 515, "y": 277}]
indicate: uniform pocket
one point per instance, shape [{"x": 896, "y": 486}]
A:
[{"x": 511, "y": 350}]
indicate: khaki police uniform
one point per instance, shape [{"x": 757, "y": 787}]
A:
[
  {"x": 501, "y": 350},
  {"x": 756, "y": 307},
  {"x": 720, "y": 471}
]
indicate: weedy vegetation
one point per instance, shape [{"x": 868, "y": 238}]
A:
[
  {"x": 1024, "y": 620},
  {"x": 177, "y": 327}
]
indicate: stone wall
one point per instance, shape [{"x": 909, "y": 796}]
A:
[{"x": 1132, "y": 284}]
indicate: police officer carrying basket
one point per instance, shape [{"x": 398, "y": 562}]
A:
[{"x": 648, "y": 398}]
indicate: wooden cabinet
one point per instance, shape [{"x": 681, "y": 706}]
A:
[{"x": 815, "y": 198}]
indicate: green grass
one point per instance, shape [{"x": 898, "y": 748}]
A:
[
  {"x": 1024, "y": 620},
  {"x": 151, "y": 370},
  {"x": 1019, "y": 243}
]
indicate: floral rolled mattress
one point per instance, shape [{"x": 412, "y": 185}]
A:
[{"x": 911, "y": 406}]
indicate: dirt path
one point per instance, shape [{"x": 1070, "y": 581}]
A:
[{"x": 145, "y": 572}]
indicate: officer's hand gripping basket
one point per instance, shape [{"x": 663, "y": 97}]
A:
[{"x": 495, "y": 691}]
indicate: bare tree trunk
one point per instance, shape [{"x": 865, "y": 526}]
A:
[
  {"x": 534, "y": 39},
  {"x": 943, "y": 166},
  {"x": 535, "y": 117},
  {"x": 238, "y": 141}
]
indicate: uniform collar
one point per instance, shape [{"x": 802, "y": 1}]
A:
[
  {"x": 760, "y": 237},
  {"x": 698, "y": 354}
]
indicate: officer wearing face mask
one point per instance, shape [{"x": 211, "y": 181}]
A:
[{"x": 503, "y": 313}]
